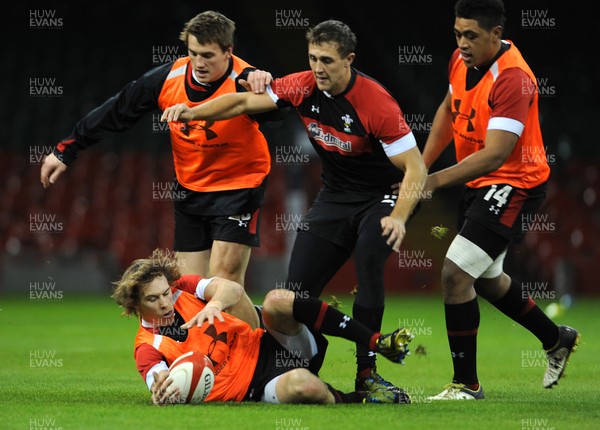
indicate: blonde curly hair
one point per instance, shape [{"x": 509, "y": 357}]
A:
[{"x": 140, "y": 273}]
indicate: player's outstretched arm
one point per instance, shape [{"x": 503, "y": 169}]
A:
[
  {"x": 223, "y": 107},
  {"x": 221, "y": 294},
  {"x": 498, "y": 146},
  {"x": 51, "y": 170},
  {"x": 440, "y": 135},
  {"x": 409, "y": 194}
]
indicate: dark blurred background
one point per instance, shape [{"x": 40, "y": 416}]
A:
[{"x": 60, "y": 60}]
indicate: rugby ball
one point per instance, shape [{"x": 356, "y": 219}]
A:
[{"x": 194, "y": 375}]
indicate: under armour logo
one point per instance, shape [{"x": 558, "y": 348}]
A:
[
  {"x": 211, "y": 331},
  {"x": 494, "y": 209},
  {"x": 209, "y": 134},
  {"x": 343, "y": 323},
  {"x": 314, "y": 108},
  {"x": 555, "y": 362},
  {"x": 241, "y": 219},
  {"x": 456, "y": 113},
  {"x": 390, "y": 198}
]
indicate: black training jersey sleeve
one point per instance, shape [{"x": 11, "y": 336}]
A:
[{"x": 118, "y": 113}]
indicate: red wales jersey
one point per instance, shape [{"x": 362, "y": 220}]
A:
[{"x": 354, "y": 132}]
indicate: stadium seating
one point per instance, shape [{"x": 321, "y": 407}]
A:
[{"x": 105, "y": 203}]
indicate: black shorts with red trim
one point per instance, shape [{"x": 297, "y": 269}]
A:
[
  {"x": 195, "y": 233},
  {"x": 274, "y": 360},
  {"x": 340, "y": 222},
  {"x": 502, "y": 208},
  {"x": 229, "y": 216}
]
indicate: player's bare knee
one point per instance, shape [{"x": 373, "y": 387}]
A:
[
  {"x": 232, "y": 272},
  {"x": 493, "y": 289},
  {"x": 279, "y": 302},
  {"x": 229, "y": 260},
  {"x": 452, "y": 275},
  {"x": 305, "y": 387},
  {"x": 193, "y": 263},
  {"x": 455, "y": 282}
]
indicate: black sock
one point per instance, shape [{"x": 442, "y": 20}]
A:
[
  {"x": 370, "y": 317},
  {"x": 353, "y": 397},
  {"x": 462, "y": 324},
  {"x": 517, "y": 305},
  {"x": 319, "y": 316}
]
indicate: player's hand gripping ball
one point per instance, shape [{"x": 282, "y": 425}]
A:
[{"x": 194, "y": 375}]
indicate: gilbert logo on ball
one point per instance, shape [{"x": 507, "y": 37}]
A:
[{"x": 194, "y": 375}]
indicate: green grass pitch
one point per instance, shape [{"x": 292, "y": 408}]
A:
[{"x": 68, "y": 364}]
